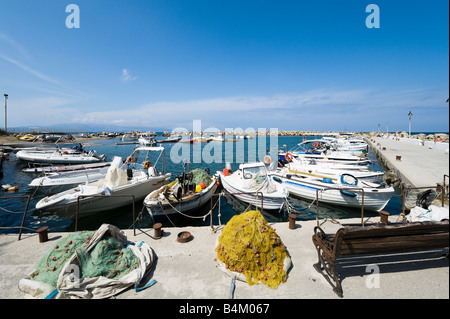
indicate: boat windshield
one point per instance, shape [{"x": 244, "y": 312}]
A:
[
  {"x": 313, "y": 146},
  {"x": 254, "y": 172}
]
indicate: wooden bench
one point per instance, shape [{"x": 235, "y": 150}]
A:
[{"x": 375, "y": 239}]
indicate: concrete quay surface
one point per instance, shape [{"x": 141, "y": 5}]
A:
[
  {"x": 418, "y": 166},
  {"x": 188, "y": 270}
]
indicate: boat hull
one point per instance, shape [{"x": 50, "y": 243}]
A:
[
  {"x": 51, "y": 158},
  {"x": 267, "y": 201},
  {"x": 156, "y": 207},
  {"x": 375, "y": 199},
  {"x": 65, "y": 204}
]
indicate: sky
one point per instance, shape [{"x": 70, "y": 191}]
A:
[{"x": 286, "y": 65}]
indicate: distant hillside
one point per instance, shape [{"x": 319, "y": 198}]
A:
[{"x": 75, "y": 128}]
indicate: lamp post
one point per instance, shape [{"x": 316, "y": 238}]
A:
[
  {"x": 6, "y": 98},
  {"x": 410, "y": 114}
]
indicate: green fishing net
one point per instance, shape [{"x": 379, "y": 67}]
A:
[
  {"x": 48, "y": 269},
  {"x": 200, "y": 175},
  {"x": 108, "y": 258},
  {"x": 250, "y": 246}
]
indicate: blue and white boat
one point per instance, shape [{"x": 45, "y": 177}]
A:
[
  {"x": 251, "y": 181},
  {"x": 347, "y": 191}
]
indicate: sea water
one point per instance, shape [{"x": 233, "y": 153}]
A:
[{"x": 12, "y": 208}]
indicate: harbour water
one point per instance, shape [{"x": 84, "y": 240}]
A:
[{"x": 11, "y": 208}]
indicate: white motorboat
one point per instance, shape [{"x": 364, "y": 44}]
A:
[
  {"x": 146, "y": 141},
  {"x": 58, "y": 181},
  {"x": 217, "y": 138},
  {"x": 74, "y": 155},
  {"x": 349, "y": 190},
  {"x": 127, "y": 179},
  {"x": 348, "y": 144},
  {"x": 180, "y": 197},
  {"x": 323, "y": 151},
  {"x": 38, "y": 168},
  {"x": 332, "y": 171},
  {"x": 251, "y": 181}
]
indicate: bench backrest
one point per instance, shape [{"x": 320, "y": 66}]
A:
[{"x": 392, "y": 238}]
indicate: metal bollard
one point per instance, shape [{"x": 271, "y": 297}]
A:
[
  {"x": 292, "y": 218},
  {"x": 157, "y": 228},
  {"x": 43, "y": 235}
]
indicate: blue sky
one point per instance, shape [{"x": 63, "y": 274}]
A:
[{"x": 290, "y": 65}]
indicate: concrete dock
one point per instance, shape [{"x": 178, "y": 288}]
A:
[
  {"x": 188, "y": 270},
  {"x": 416, "y": 165}
]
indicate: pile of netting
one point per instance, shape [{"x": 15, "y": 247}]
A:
[
  {"x": 199, "y": 176},
  {"x": 109, "y": 258},
  {"x": 48, "y": 269},
  {"x": 89, "y": 265},
  {"x": 250, "y": 247}
]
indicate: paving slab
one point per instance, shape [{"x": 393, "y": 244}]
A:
[{"x": 419, "y": 166}]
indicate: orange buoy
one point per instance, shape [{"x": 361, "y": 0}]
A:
[{"x": 288, "y": 157}]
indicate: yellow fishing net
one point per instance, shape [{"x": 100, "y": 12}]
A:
[{"x": 248, "y": 245}]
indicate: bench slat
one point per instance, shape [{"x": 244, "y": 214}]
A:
[{"x": 393, "y": 244}]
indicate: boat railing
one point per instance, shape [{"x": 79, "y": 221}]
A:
[
  {"x": 112, "y": 195},
  {"x": 340, "y": 188},
  {"x": 24, "y": 213}
]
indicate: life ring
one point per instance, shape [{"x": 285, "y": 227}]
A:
[
  {"x": 147, "y": 164},
  {"x": 315, "y": 144},
  {"x": 288, "y": 157},
  {"x": 129, "y": 159},
  {"x": 267, "y": 159}
]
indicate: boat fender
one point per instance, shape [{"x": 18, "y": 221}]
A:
[
  {"x": 147, "y": 164},
  {"x": 348, "y": 193},
  {"x": 327, "y": 180},
  {"x": 277, "y": 179},
  {"x": 267, "y": 159}
]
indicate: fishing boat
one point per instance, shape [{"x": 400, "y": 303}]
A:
[
  {"x": 251, "y": 181},
  {"x": 54, "y": 182},
  {"x": 38, "y": 168},
  {"x": 323, "y": 151},
  {"x": 347, "y": 191},
  {"x": 122, "y": 181},
  {"x": 186, "y": 195},
  {"x": 74, "y": 155}
]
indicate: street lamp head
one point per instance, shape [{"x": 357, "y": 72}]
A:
[
  {"x": 410, "y": 113},
  {"x": 6, "y": 95}
]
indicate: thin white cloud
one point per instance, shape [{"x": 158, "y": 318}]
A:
[
  {"x": 285, "y": 111},
  {"x": 28, "y": 69},
  {"x": 126, "y": 76}
]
